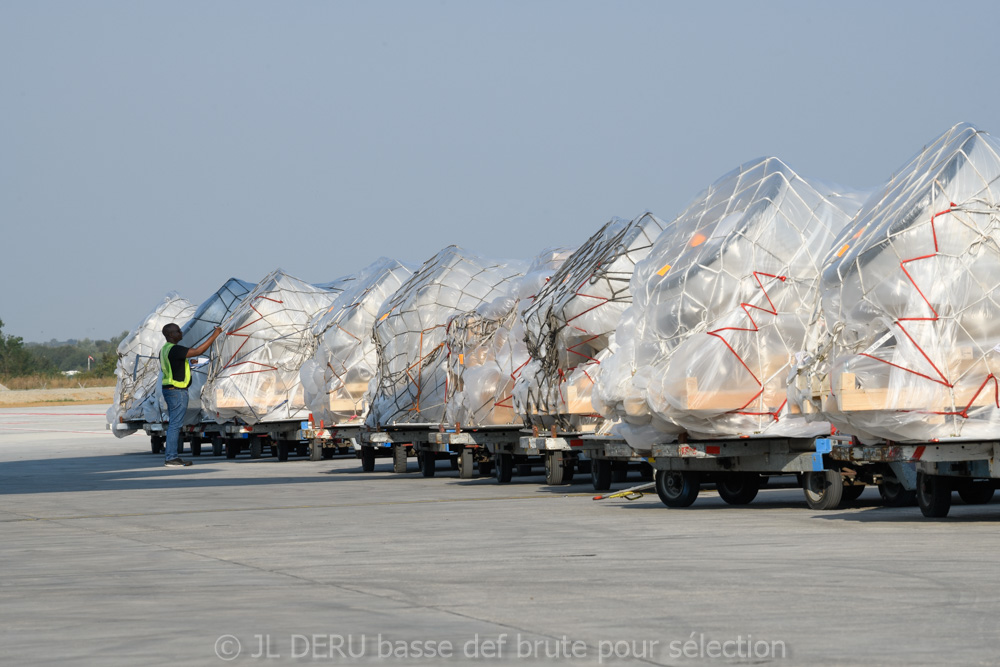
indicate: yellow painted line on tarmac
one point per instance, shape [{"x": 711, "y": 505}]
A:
[{"x": 293, "y": 507}]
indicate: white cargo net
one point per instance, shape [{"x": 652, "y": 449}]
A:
[
  {"x": 335, "y": 379},
  {"x": 137, "y": 393},
  {"x": 410, "y": 387},
  {"x": 254, "y": 369},
  {"x": 911, "y": 296},
  {"x": 720, "y": 307},
  {"x": 486, "y": 350},
  {"x": 568, "y": 325}
]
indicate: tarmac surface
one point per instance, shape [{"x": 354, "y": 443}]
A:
[{"x": 108, "y": 558}]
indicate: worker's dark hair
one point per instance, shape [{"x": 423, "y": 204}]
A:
[{"x": 168, "y": 326}]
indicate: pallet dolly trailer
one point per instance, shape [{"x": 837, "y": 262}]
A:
[
  {"x": 230, "y": 439},
  {"x": 611, "y": 459},
  {"x": 398, "y": 442},
  {"x": 889, "y": 466},
  {"x": 430, "y": 443},
  {"x": 606, "y": 458},
  {"x": 521, "y": 450},
  {"x": 280, "y": 439},
  {"x": 932, "y": 470},
  {"x": 972, "y": 468},
  {"x": 474, "y": 448},
  {"x": 737, "y": 467}
]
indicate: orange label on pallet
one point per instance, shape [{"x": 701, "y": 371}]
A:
[
  {"x": 663, "y": 271},
  {"x": 843, "y": 250}
]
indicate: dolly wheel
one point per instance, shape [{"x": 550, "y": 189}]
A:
[
  {"x": 367, "y": 459},
  {"x": 600, "y": 474},
  {"x": 933, "y": 495},
  {"x": 738, "y": 488},
  {"x": 676, "y": 488},
  {"x": 465, "y": 464},
  {"x": 976, "y": 493},
  {"x": 824, "y": 489},
  {"x": 504, "y": 467}
]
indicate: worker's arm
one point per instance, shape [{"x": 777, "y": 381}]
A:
[{"x": 200, "y": 350}]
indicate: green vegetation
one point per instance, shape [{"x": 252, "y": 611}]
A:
[
  {"x": 71, "y": 355},
  {"x": 36, "y": 365}
]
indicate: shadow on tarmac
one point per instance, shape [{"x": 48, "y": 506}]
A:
[
  {"x": 133, "y": 470},
  {"x": 960, "y": 513}
]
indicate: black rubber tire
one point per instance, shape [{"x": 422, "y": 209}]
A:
[
  {"x": 398, "y": 458},
  {"x": 485, "y": 468},
  {"x": 676, "y": 488},
  {"x": 195, "y": 446},
  {"x": 738, "y": 488},
  {"x": 218, "y": 446},
  {"x": 453, "y": 462},
  {"x": 824, "y": 489},
  {"x": 852, "y": 492},
  {"x": 894, "y": 495},
  {"x": 282, "y": 451},
  {"x": 555, "y": 468},
  {"x": 156, "y": 443},
  {"x": 600, "y": 474},
  {"x": 975, "y": 492},
  {"x": 256, "y": 448},
  {"x": 933, "y": 495},
  {"x": 232, "y": 449},
  {"x": 367, "y": 459},
  {"x": 504, "y": 468},
  {"x": 428, "y": 463},
  {"x": 466, "y": 466},
  {"x": 619, "y": 472}
]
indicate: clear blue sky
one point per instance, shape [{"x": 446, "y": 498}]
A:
[{"x": 156, "y": 146}]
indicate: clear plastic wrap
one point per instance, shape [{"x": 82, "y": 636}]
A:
[
  {"x": 410, "y": 386},
  {"x": 911, "y": 303},
  {"x": 253, "y": 373},
  {"x": 486, "y": 350},
  {"x": 138, "y": 397},
  {"x": 335, "y": 379},
  {"x": 568, "y": 326},
  {"x": 721, "y": 305},
  {"x": 210, "y": 314}
]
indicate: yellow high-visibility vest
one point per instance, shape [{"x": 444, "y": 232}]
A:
[{"x": 168, "y": 371}]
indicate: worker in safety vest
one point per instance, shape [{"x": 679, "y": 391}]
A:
[{"x": 176, "y": 379}]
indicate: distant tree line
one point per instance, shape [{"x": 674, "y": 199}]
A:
[{"x": 19, "y": 359}]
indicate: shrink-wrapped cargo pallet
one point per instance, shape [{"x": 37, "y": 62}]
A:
[
  {"x": 147, "y": 403},
  {"x": 721, "y": 305},
  {"x": 335, "y": 380},
  {"x": 568, "y": 325},
  {"x": 138, "y": 397},
  {"x": 911, "y": 301},
  {"x": 410, "y": 386},
  {"x": 254, "y": 369},
  {"x": 486, "y": 350},
  {"x": 210, "y": 314}
]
